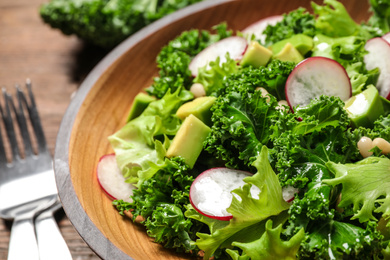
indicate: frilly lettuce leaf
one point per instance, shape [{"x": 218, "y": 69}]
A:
[
  {"x": 212, "y": 75},
  {"x": 138, "y": 153},
  {"x": 249, "y": 214},
  {"x": 365, "y": 186},
  {"x": 270, "y": 246},
  {"x": 334, "y": 20}
]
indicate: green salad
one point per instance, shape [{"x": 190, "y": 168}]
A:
[{"x": 322, "y": 168}]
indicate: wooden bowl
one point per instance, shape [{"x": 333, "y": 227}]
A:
[{"x": 100, "y": 108}]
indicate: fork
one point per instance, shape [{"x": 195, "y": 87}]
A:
[{"x": 27, "y": 184}]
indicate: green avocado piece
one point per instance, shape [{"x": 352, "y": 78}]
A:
[
  {"x": 141, "y": 101},
  {"x": 199, "y": 107},
  {"x": 301, "y": 42},
  {"x": 256, "y": 55},
  {"x": 289, "y": 53},
  {"x": 188, "y": 141},
  {"x": 364, "y": 108}
]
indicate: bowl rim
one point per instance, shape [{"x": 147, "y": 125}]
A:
[{"x": 71, "y": 204}]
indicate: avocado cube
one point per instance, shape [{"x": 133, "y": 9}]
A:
[
  {"x": 364, "y": 108},
  {"x": 256, "y": 55},
  {"x": 289, "y": 53},
  {"x": 199, "y": 107},
  {"x": 141, "y": 101},
  {"x": 188, "y": 142},
  {"x": 301, "y": 42}
]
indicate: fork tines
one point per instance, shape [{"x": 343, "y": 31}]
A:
[{"x": 9, "y": 113}]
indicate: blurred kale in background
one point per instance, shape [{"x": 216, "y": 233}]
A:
[{"x": 105, "y": 23}]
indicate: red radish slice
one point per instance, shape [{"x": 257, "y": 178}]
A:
[
  {"x": 386, "y": 37},
  {"x": 316, "y": 76},
  {"x": 379, "y": 57},
  {"x": 211, "y": 192},
  {"x": 257, "y": 28},
  {"x": 111, "y": 179},
  {"x": 289, "y": 193},
  {"x": 235, "y": 45}
]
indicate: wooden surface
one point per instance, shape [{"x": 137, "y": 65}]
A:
[{"x": 56, "y": 64}]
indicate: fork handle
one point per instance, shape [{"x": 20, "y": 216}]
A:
[
  {"x": 50, "y": 241},
  {"x": 23, "y": 243}
]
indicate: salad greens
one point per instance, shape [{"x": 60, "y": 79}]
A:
[
  {"x": 106, "y": 23},
  {"x": 341, "y": 207}
]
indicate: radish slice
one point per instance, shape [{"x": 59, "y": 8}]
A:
[
  {"x": 257, "y": 28},
  {"x": 314, "y": 77},
  {"x": 111, "y": 179},
  {"x": 379, "y": 57},
  {"x": 211, "y": 192},
  {"x": 233, "y": 45},
  {"x": 289, "y": 193},
  {"x": 386, "y": 37}
]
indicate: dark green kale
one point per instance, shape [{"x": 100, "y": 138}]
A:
[
  {"x": 294, "y": 22},
  {"x": 174, "y": 58},
  {"x": 106, "y": 23},
  {"x": 161, "y": 201}
]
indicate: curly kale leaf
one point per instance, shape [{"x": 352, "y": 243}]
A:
[
  {"x": 295, "y": 22},
  {"x": 341, "y": 240},
  {"x": 241, "y": 126},
  {"x": 174, "y": 58},
  {"x": 106, "y": 23},
  {"x": 302, "y": 147},
  {"x": 161, "y": 200}
]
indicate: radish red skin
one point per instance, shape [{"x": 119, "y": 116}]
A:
[
  {"x": 235, "y": 45},
  {"x": 326, "y": 75},
  {"x": 234, "y": 176},
  {"x": 386, "y": 37},
  {"x": 379, "y": 56}
]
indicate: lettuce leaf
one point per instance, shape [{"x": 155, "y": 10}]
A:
[
  {"x": 365, "y": 186},
  {"x": 212, "y": 75},
  {"x": 270, "y": 246},
  {"x": 138, "y": 152},
  {"x": 249, "y": 214},
  {"x": 334, "y": 20}
]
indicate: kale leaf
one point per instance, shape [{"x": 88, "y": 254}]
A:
[{"x": 106, "y": 23}]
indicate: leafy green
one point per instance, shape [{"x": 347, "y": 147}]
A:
[
  {"x": 381, "y": 16},
  {"x": 174, "y": 58},
  {"x": 294, "y": 22},
  {"x": 334, "y": 20},
  {"x": 270, "y": 246},
  {"x": 365, "y": 185},
  {"x": 138, "y": 153},
  {"x": 161, "y": 200},
  {"x": 212, "y": 75},
  {"x": 106, "y": 23},
  {"x": 249, "y": 214},
  {"x": 241, "y": 126}
]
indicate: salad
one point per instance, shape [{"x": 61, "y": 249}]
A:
[{"x": 270, "y": 143}]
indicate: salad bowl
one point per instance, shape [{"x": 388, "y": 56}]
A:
[{"x": 101, "y": 106}]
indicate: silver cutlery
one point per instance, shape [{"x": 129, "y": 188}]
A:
[{"x": 27, "y": 183}]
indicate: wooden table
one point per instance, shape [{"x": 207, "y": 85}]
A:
[{"x": 56, "y": 64}]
